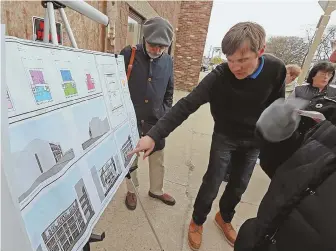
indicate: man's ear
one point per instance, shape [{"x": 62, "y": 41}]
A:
[{"x": 261, "y": 51}]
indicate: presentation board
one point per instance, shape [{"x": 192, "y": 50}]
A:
[{"x": 71, "y": 125}]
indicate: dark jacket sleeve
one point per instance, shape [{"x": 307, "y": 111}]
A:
[
  {"x": 126, "y": 52},
  {"x": 279, "y": 90},
  {"x": 183, "y": 108},
  {"x": 168, "y": 97},
  {"x": 273, "y": 154}
]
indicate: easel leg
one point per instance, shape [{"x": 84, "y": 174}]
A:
[
  {"x": 143, "y": 209},
  {"x": 67, "y": 27},
  {"x": 94, "y": 238},
  {"x": 46, "y": 26},
  {"x": 52, "y": 22}
]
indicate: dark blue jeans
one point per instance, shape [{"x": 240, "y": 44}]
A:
[{"x": 242, "y": 156}]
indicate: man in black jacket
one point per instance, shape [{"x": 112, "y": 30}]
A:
[
  {"x": 151, "y": 86},
  {"x": 238, "y": 91}
]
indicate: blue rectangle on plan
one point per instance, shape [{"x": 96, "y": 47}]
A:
[{"x": 66, "y": 75}]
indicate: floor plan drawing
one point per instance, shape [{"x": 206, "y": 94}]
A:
[
  {"x": 114, "y": 91},
  {"x": 115, "y": 100},
  {"x": 68, "y": 85},
  {"x": 40, "y": 88},
  {"x": 122, "y": 72}
]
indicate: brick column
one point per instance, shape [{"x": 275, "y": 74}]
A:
[{"x": 190, "y": 41}]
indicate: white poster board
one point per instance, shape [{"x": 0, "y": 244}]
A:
[{"x": 71, "y": 125}]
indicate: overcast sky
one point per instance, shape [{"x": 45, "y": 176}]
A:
[{"x": 278, "y": 17}]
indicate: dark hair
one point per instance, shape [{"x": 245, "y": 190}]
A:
[
  {"x": 324, "y": 66},
  {"x": 240, "y": 33}
]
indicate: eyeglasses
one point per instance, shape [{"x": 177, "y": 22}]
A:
[{"x": 324, "y": 74}]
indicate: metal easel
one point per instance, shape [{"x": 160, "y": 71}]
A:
[
  {"x": 50, "y": 22},
  {"x": 50, "y": 26}
]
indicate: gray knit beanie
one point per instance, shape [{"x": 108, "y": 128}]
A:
[{"x": 158, "y": 31}]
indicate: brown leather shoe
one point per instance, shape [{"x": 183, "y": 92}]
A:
[
  {"x": 165, "y": 198},
  {"x": 229, "y": 233},
  {"x": 195, "y": 236},
  {"x": 131, "y": 201}
]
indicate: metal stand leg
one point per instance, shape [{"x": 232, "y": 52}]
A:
[
  {"x": 46, "y": 27},
  {"x": 68, "y": 28},
  {"x": 94, "y": 238},
  {"x": 143, "y": 209},
  {"x": 52, "y": 21}
]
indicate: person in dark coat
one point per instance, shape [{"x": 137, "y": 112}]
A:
[
  {"x": 317, "y": 86},
  {"x": 318, "y": 82},
  {"x": 151, "y": 86},
  {"x": 298, "y": 210}
]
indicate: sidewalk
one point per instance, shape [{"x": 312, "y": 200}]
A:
[{"x": 187, "y": 152}]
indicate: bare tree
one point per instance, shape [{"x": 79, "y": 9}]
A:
[
  {"x": 291, "y": 50},
  {"x": 325, "y": 49}
]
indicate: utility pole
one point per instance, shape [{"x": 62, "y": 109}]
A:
[{"x": 328, "y": 7}]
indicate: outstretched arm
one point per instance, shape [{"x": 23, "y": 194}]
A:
[
  {"x": 183, "y": 109},
  {"x": 177, "y": 114}
]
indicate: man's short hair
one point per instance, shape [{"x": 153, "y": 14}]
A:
[
  {"x": 250, "y": 32},
  {"x": 293, "y": 69}
]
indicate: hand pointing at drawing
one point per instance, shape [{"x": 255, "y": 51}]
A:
[{"x": 146, "y": 144}]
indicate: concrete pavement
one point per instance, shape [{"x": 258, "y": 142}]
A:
[{"x": 186, "y": 156}]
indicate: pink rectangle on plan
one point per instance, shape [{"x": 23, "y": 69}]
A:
[
  {"x": 89, "y": 82},
  {"x": 10, "y": 105}
]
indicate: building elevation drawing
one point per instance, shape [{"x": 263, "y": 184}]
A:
[
  {"x": 44, "y": 160},
  {"x": 106, "y": 176},
  {"x": 69, "y": 226},
  {"x": 96, "y": 129},
  {"x": 125, "y": 149}
]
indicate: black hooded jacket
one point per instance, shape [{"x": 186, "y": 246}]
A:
[{"x": 298, "y": 212}]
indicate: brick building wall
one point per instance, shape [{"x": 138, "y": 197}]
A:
[
  {"x": 189, "y": 19},
  {"x": 121, "y": 26},
  {"x": 18, "y": 19},
  {"x": 17, "y": 15},
  {"x": 191, "y": 36}
]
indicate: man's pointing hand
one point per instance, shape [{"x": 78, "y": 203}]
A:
[{"x": 146, "y": 144}]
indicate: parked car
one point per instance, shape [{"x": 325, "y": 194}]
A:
[{"x": 204, "y": 67}]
